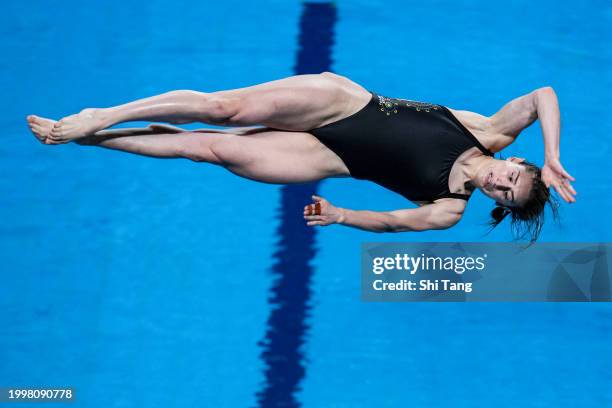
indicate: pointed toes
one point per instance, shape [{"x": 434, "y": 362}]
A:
[
  {"x": 35, "y": 128},
  {"x": 51, "y": 140},
  {"x": 56, "y": 130}
]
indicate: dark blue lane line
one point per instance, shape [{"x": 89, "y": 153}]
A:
[{"x": 287, "y": 326}]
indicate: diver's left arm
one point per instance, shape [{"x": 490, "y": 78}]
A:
[
  {"x": 442, "y": 214},
  {"x": 519, "y": 114}
]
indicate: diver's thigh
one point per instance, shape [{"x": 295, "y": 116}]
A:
[
  {"x": 274, "y": 156},
  {"x": 296, "y": 103}
]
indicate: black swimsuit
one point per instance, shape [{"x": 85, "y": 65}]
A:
[{"x": 406, "y": 146}]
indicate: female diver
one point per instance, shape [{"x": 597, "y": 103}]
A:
[{"x": 311, "y": 127}]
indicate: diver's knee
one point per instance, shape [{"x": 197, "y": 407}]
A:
[{"x": 220, "y": 108}]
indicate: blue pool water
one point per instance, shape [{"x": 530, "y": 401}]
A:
[{"x": 160, "y": 283}]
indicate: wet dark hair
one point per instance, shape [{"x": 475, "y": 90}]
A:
[{"x": 527, "y": 220}]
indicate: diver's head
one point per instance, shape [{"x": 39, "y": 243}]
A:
[{"x": 519, "y": 192}]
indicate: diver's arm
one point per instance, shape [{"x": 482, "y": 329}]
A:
[
  {"x": 521, "y": 112},
  {"x": 441, "y": 215},
  {"x": 547, "y": 107},
  {"x": 515, "y": 116},
  {"x": 553, "y": 172},
  {"x": 437, "y": 216},
  {"x": 518, "y": 114}
]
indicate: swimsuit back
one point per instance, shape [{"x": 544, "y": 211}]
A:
[{"x": 406, "y": 146}]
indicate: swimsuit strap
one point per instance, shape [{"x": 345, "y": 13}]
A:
[
  {"x": 468, "y": 133},
  {"x": 456, "y": 195},
  {"x": 476, "y": 142}
]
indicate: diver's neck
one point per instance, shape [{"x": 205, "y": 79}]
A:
[{"x": 473, "y": 166}]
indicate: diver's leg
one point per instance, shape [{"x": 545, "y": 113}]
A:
[
  {"x": 159, "y": 145},
  {"x": 296, "y": 103},
  {"x": 268, "y": 156},
  {"x": 41, "y": 127},
  {"x": 276, "y": 156},
  {"x": 260, "y": 154},
  {"x": 182, "y": 106}
]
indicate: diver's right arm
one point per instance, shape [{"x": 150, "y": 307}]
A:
[{"x": 520, "y": 113}]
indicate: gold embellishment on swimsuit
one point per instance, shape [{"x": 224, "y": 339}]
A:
[
  {"x": 389, "y": 105},
  {"x": 421, "y": 106}
]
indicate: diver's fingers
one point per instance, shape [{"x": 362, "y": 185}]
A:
[
  {"x": 313, "y": 217},
  {"x": 570, "y": 188},
  {"x": 564, "y": 194},
  {"x": 567, "y": 175},
  {"x": 566, "y": 188}
]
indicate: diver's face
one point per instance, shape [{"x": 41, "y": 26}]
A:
[{"x": 506, "y": 181}]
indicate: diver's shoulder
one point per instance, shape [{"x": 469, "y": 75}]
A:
[{"x": 479, "y": 125}]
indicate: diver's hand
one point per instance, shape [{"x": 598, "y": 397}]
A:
[
  {"x": 554, "y": 174},
  {"x": 322, "y": 212}
]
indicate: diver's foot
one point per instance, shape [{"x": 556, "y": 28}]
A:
[
  {"x": 40, "y": 127},
  {"x": 83, "y": 124}
]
